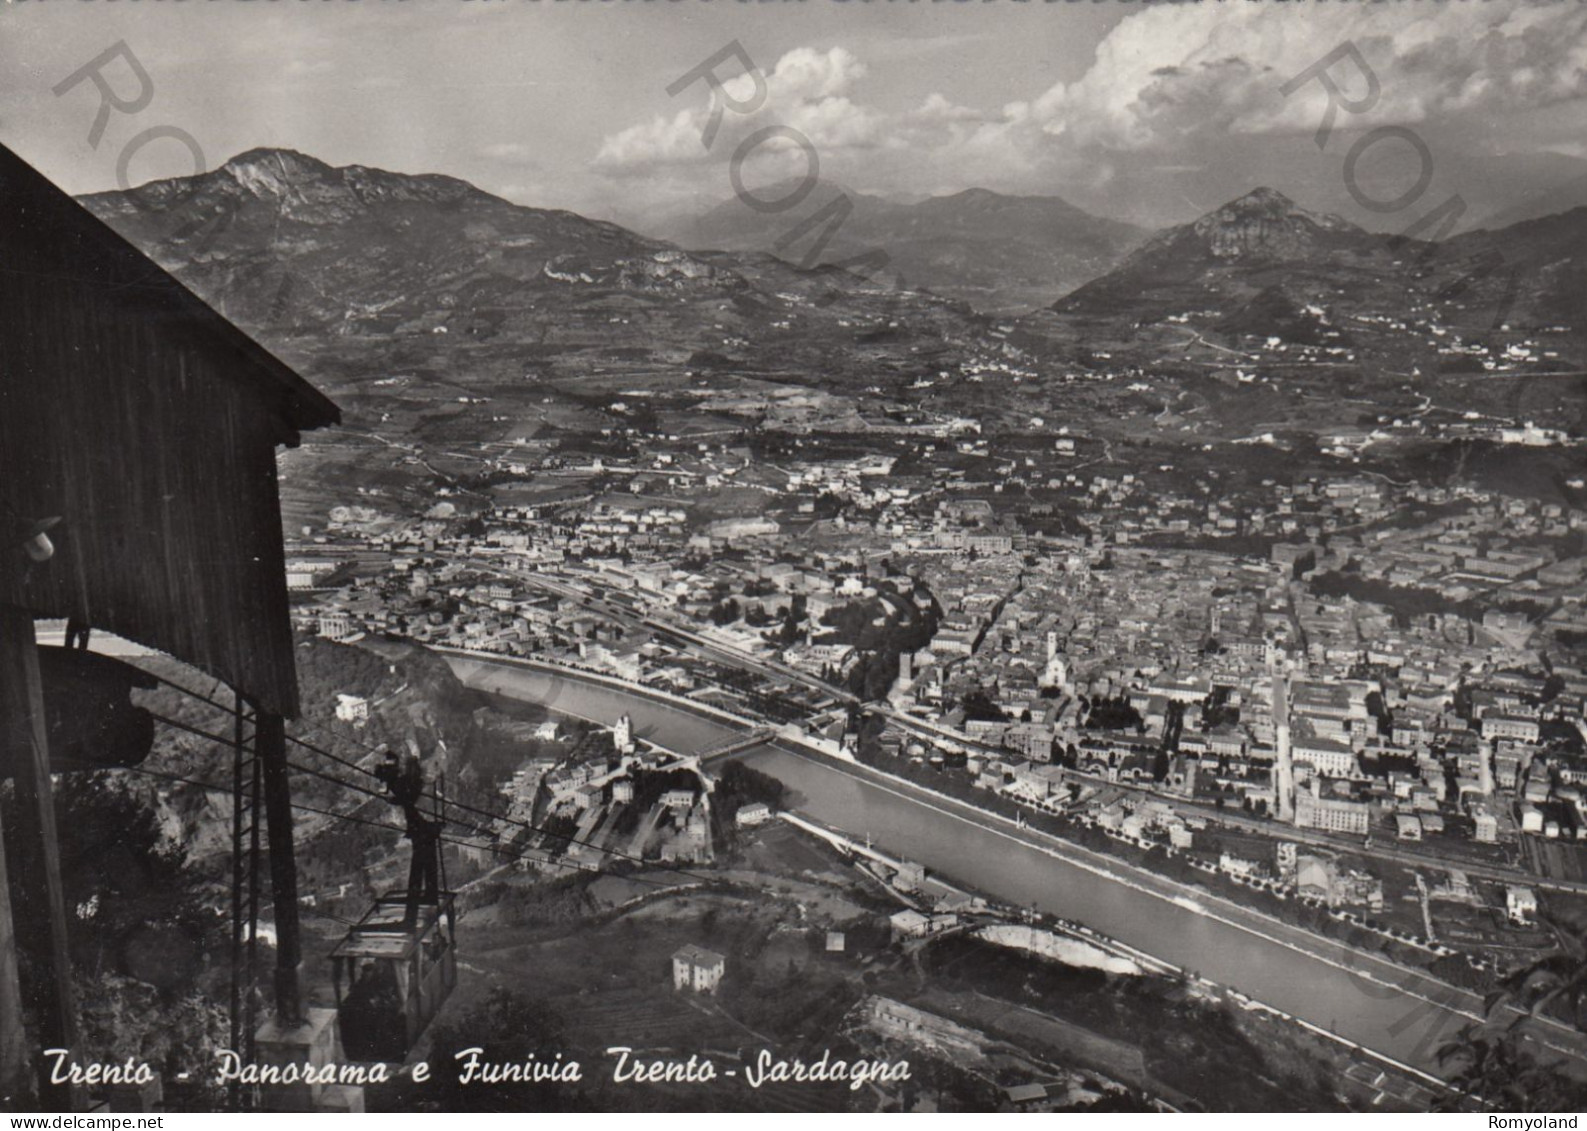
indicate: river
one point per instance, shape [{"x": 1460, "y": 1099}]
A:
[{"x": 1394, "y": 1019}]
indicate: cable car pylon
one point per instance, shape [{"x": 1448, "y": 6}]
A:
[{"x": 247, "y": 812}]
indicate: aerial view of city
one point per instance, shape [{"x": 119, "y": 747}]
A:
[{"x": 795, "y": 557}]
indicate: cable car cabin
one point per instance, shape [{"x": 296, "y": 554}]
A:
[{"x": 393, "y": 974}]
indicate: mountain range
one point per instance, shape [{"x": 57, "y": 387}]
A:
[
  {"x": 998, "y": 253},
  {"x": 306, "y": 254},
  {"x": 445, "y": 319},
  {"x": 293, "y": 247},
  {"x": 441, "y": 317},
  {"x": 1263, "y": 266}
]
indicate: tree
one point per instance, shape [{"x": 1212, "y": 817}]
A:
[
  {"x": 140, "y": 937},
  {"x": 738, "y": 784},
  {"x": 1555, "y": 982},
  {"x": 789, "y": 632},
  {"x": 1495, "y": 1067},
  {"x": 978, "y": 705},
  {"x": 879, "y": 677}
]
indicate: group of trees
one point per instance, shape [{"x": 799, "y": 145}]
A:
[
  {"x": 558, "y": 902},
  {"x": 978, "y": 705},
  {"x": 1116, "y": 713},
  {"x": 1407, "y": 602},
  {"x": 882, "y": 629},
  {"x": 738, "y": 785},
  {"x": 872, "y": 676},
  {"x": 1492, "y": 1062},
  {"x": 141, "y": 939}
]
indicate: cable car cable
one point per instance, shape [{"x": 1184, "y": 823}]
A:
[
  {"x": 387, "y": 825},
  {"x": 296, "y": 740},
  {"x": 530, "y": 826}
]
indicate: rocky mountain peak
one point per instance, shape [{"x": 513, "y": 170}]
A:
[
  {"x": 1264, "y": 198},
  {"x": 271, "y": 172},
  {"x": 1264, "y": 222}
]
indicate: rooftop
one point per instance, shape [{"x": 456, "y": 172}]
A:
[{"x": 697, "y": 956}]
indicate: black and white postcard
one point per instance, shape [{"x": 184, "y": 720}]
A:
[{"x": 808, "y": 556}]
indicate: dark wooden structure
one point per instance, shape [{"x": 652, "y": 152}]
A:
[{"x": 148, "y": 423}]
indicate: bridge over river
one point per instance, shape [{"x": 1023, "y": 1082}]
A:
[{"x": 1387, "y": 1008}]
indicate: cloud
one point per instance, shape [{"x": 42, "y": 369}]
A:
[
  {"x": 1167, "y": 75},
  {"x": 807, "y": 90},
  {"x": 1170, "y": 88},
  {"x": 931, "y": 146},
  {"x": 812, "y": 76}
]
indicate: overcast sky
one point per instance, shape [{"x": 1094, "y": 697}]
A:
[{"x": 1153, "y": 113}]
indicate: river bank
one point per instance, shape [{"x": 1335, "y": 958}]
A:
[{"x": 1380, "y": 1006}]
